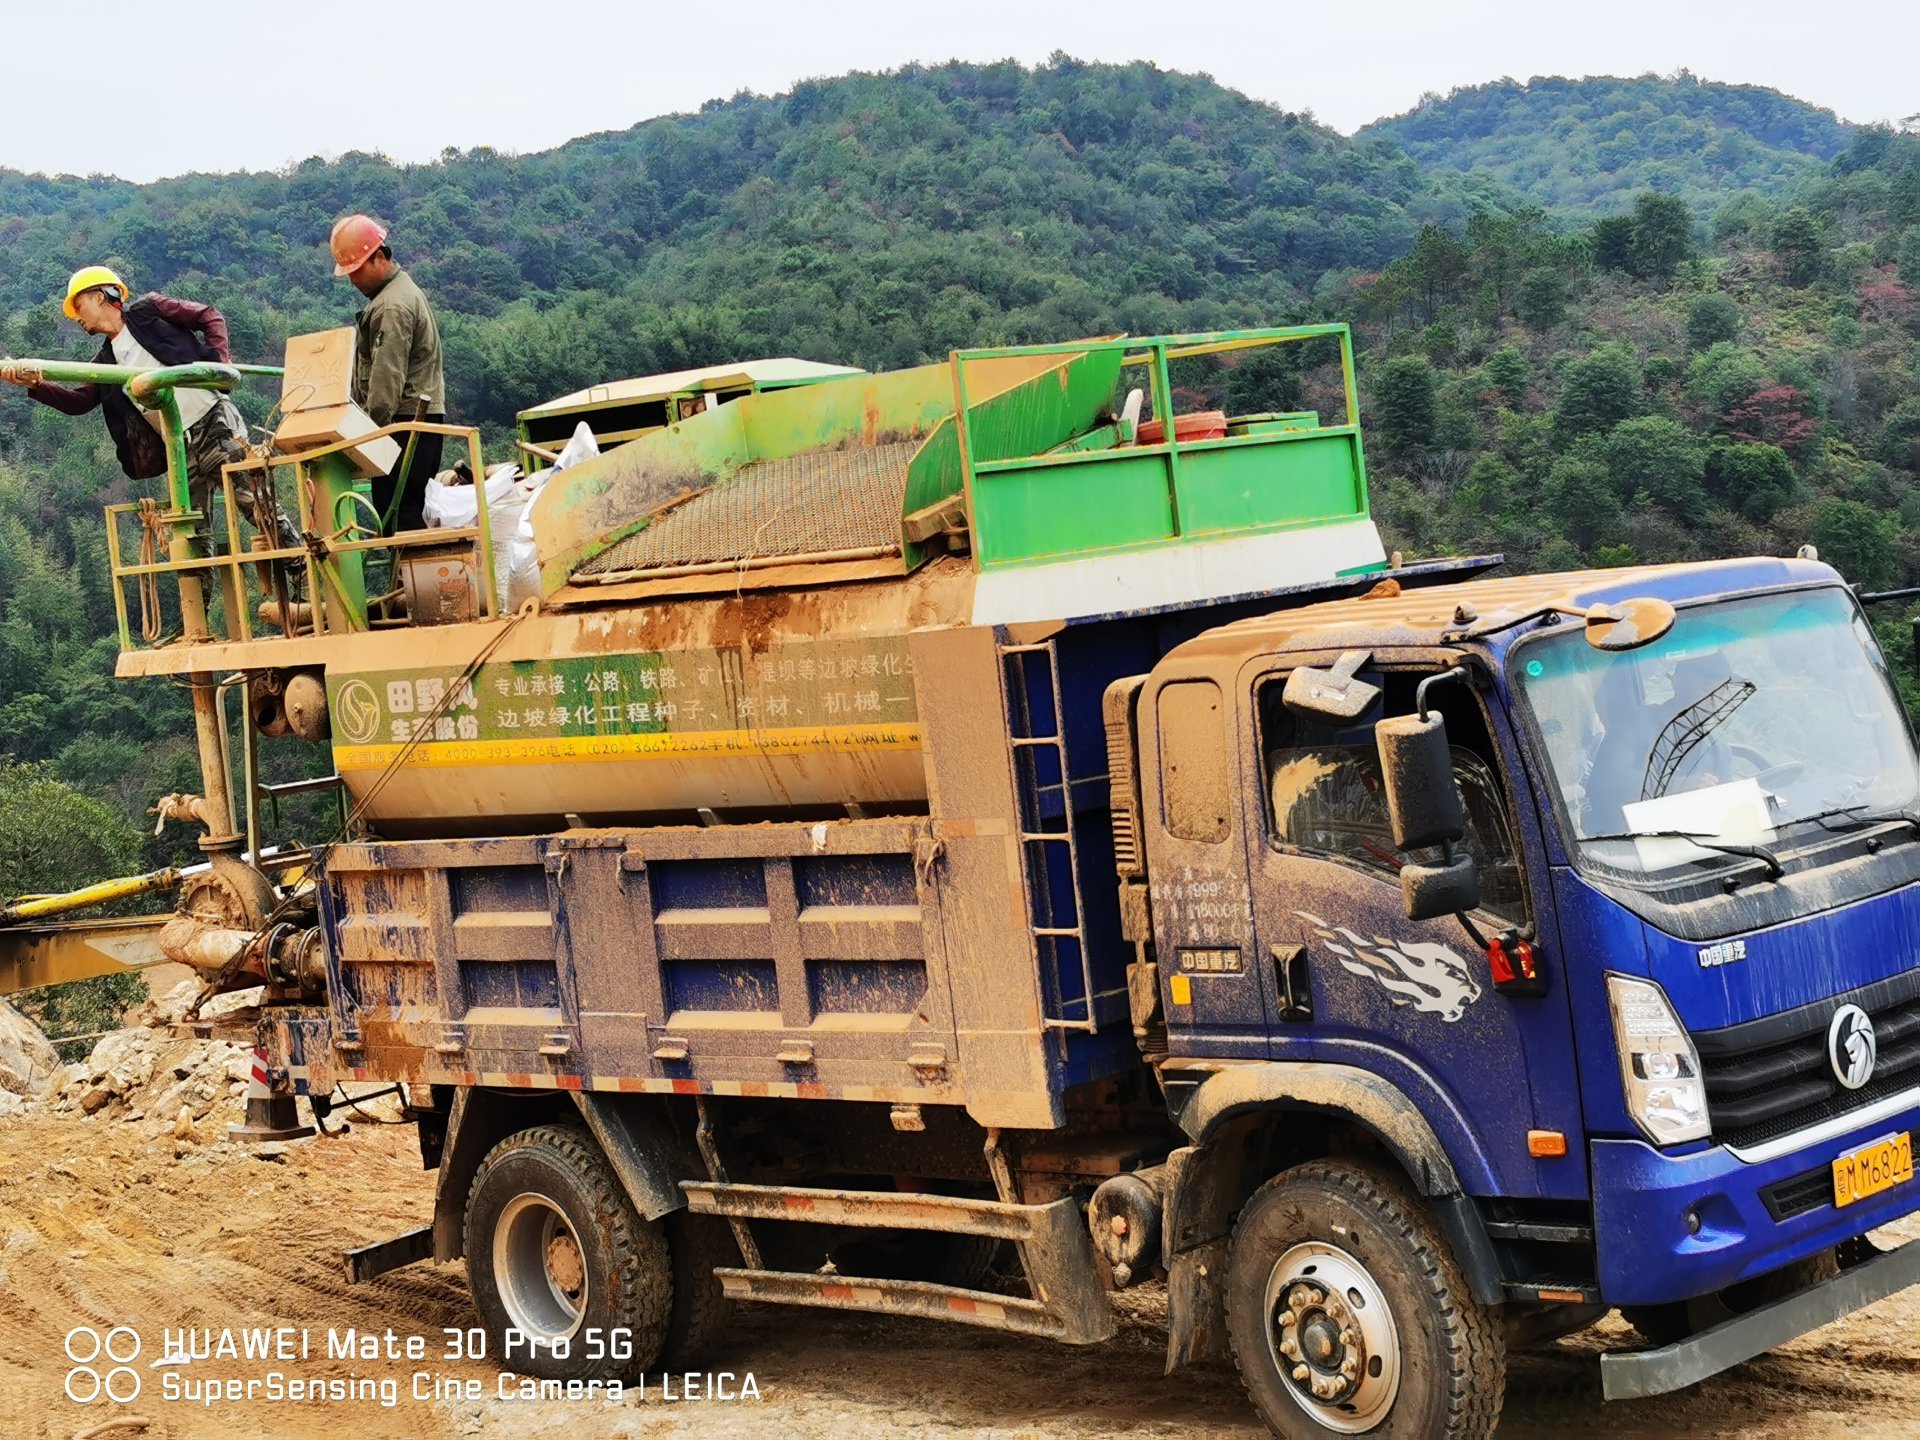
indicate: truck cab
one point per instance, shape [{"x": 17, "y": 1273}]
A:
[{"x": 1663, "y": 1053}]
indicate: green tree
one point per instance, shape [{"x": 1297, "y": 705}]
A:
[
  {"x": 1903, "y": 196},
  {"x": 1723, "y": 377},
  {"x": 1662, "y": 234},
  {"x": 1440, "y": 342},
  {"x": 1491, "y": 485},
  {"x": 1505, "y": 373},
  {"x": 1661, "y": 370},
  {"x": 1541, "y": 301},
  {"x": 1404, "y": 404},
  {"x": 1712, "y": 319},
  {"x": 53, "y": 838},
  {"x": 1756, "y": 480},
  {"x": 1652, "y": 453},
  {"x": 1908, "y": 255},
  {"x": 1900, "y": 435},
  {"x": 1437, "y": 267},
  {"x": 1859, "y": 542},
  {"x": 1601, "y": 390},
  {"x": 1800, "y": 246},
  {"x": 1581, "y": 499},
  {"x": 1613, "y": 243}
]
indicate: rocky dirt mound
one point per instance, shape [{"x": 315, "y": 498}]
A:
[
  {"x": 28, "y": 1063},
  {"x": 148, "y": 1072}
]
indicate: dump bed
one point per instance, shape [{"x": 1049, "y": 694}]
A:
[{"x": 879, "y": 958}]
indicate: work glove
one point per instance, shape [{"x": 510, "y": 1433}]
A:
[{"x": 15, "y": 373}]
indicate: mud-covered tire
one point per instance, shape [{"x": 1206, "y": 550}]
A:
[
  {"x": 1659, "y": 1325},
  {"x": 556, "y": 1250},
  {"x": 1671, "y": 1323},
  {"x": 1441, "y": 1362},
  {"x": 698, "y": 1244}
]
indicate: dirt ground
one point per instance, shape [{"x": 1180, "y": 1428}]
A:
[{"x": 102, "y": 1225}]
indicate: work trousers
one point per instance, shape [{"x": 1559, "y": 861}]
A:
[
  {"x": 426, "y": 464},
  {"x": 218, "y": 438}
]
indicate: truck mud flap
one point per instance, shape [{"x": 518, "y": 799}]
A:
[
  {"x": 1673, "y": 1367},
  {"x": 1069, "y": 1303},
  {"x": 371, "y": 1261}
]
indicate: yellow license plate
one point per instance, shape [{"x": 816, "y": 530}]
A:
[{"x": 1879, "y": 1166}]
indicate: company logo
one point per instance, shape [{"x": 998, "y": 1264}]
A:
[
  {"x": 103, "y": 1365},
  {"x": 357, "y": 712},
  {"x": 1727, "y": 952},
  {"x": 1852, "y": 1046},
  {"x": 1430, "y": 978}
]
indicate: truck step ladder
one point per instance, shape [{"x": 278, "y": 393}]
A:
[
  {"x": 1068, "y": 1303},
  {"x": 1042, "y": 849}
]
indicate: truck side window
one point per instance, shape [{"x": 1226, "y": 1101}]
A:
[
  {"x": 1194, "y": 787},
  {"x": 1325, "y": 795}
]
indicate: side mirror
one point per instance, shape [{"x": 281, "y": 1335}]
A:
[
  {"x": 1334, "y": 693},
  {"x": 1423, "y": 802},
  {"x": 1630, "y": 624}
]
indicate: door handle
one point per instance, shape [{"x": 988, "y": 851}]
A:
[{"x": 1294, "y": 984}]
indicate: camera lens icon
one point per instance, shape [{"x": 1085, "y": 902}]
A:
[{"x": 90, "y": 1379}]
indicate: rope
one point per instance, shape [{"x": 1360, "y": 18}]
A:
[{"x": 152, "y": 525}]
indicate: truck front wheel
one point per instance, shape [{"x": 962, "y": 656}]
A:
[
  {"x": 1348, "y": 1315},
  {"x": 569, "y": 1280}
]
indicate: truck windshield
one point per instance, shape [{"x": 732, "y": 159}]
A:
[{"x": 1750, "y": 727}]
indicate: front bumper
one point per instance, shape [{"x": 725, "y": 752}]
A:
[
  {"x": 1673, "y": 1367},
  {"x": 1649, "y": 1253}
]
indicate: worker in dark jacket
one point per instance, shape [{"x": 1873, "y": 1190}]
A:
[
  {"x": 148, "y": 333},
  {"x": 397, "y": 372}
]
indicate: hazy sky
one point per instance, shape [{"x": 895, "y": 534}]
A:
[{"x": 263, "y": 84}]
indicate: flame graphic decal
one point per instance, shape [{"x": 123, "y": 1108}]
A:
[{"x": 1430, "y": 978}]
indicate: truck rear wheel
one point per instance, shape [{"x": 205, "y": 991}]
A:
[
  {"x": 556, "y": 1252},
  {"x": 1348, "y": 1315}
]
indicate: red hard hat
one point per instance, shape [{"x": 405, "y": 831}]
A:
[{"x": 355, "y": 238}]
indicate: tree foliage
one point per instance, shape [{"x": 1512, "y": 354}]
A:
[{"x": 1590, "y": 145}]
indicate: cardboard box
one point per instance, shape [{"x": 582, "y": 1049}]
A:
[
  {"x": 311, "y": 429},
  {"x": 315, "y": 399},
  {"x": 319, "y": 370}
]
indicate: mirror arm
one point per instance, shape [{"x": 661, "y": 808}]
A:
[
  {"x": 1473, "y": 931},
  {"x": 1458, "y": 672}
]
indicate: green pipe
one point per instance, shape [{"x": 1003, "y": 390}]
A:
[{"x": 153, "y": 390}]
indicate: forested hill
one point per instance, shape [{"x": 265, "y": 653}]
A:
[
  {"x": 1589, "y": 145},
  {"x": 872, "y": 219}
]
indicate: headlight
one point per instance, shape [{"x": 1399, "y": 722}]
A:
[{"x": 1658, "y": 1065}]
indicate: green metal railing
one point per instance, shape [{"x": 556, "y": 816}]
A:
[
  {"x": 1029, "y": 508},
  {"x": 330, "y": 554}
]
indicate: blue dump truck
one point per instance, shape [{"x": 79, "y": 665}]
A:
[{"x": 937, "y": 846}]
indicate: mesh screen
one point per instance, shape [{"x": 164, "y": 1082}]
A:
[{"x": 823, "y": 500}]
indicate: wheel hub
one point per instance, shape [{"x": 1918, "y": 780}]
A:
[
  {"x": 564, "y": 1265},
  {"x": 540, "y": 1268},
  {"x": 1332, "y": 1336}
]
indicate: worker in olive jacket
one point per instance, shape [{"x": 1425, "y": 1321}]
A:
[{"x": 396, "y": 364}]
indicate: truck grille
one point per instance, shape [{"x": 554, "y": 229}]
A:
[{"x": 1769, "y": 1078}]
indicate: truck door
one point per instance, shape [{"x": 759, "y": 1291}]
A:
[
  {"x": 1357, "y": 982},
  {"x": 1218, "y": 1001}
]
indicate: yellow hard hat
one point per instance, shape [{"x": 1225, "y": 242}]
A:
[{"x": 91, "y": 277}]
